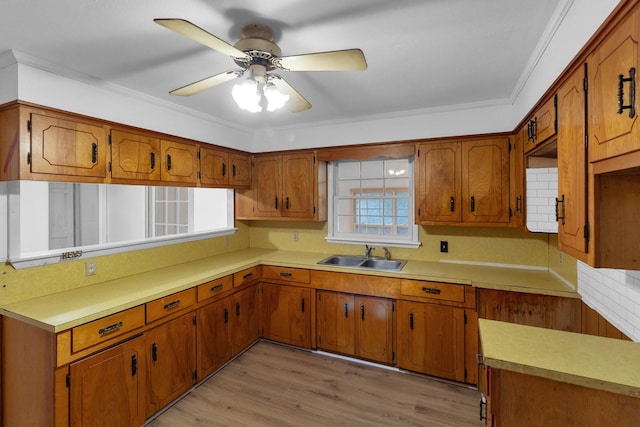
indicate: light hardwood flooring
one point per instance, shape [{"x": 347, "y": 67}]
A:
[{"x": 275, "y": 385}]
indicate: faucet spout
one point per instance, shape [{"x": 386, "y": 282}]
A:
[
  {"x": 367, "y": 251},
  {"x": 387, "y": 254}
]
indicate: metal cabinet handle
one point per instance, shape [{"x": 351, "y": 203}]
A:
[
  {"x": 472, "y": 204},
  {"x": 233, "y": 170},
  {"x": 168, "y": 162},
  {"x": 134, "y": 365},
  {"x": 286, "y": 203},
  {"x": 226, "y": 315},
  {"x": 152, "y": 160},
  {"x": 411, "y": 321},
  {"x": 452, "y": 204},
  {"x": 558, "y": 216},
  {"x": 361, "y": 312},
  {"x": 110, "y": 328},
  {"x": 632, "y": 93},
  {"x": 431, "y": 290},
  {"x": 346, "y": 310},
  {"x": 172, "y": 304},
  {"x": 246, "y": 276},
  {"x": 216, "y": 288},
  {"x": 154, "y": 352},
  {"x": 94, "y": 153},
  {"x": 237, "y": 309},
  {"x": 285, "y": 274},
  {"x": 276, "y": 202},
  {"x": 302, "y": 305}
]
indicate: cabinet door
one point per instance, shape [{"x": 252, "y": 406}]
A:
[
  {"x": 214, "y": 342},
  {"x": 134, "y": 156},
  {"x": 171, "y": 360},
  {"x": 267, "y": 185},
  {"x": 374, "y": 329},
  {"x": 287, "y": 314},
  {"x": 64, "y": 146},
  {"x": 214, "y": 166},
  {"x": 179, "y": 162},
  {"x": 335, "y": 322},
  {"x": 431, "y": 339},
  {"x": 438, "y": 182},
  {"x": 108, "y": 389},
  {"x": 240, "y": 170},
  {"x": 298, "y": 185},
  {"x": 516, "y": 179},
  {"x": 572, "y": 167},
  {"x": 612, "y": 130},
  {"x": 485, "y": 180},
  {"x": 246, "y": 320}
]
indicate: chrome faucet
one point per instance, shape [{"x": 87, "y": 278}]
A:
[
  {"x": 387, "y": 254},
  {"x": 367, "y": 251}
]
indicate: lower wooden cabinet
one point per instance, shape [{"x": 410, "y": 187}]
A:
[
  {"x": 109, "y": 388},
  {"x": 286, "y": 314},
  {"x": 355, "y": 325},
  {"x": 171, "y": 361},
  {"x": 431, "y": 339}
]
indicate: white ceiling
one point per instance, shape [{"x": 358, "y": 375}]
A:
[{"x": 421, "y": 53}]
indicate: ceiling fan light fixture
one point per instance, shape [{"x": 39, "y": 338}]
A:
[
  {"x": 275, "y": 98},
  {"x": 246, "y": 94}
]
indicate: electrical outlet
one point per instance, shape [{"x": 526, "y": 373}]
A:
[
  {"x": 90, "y": 268},
  {"x": 444, "y": 246},
  {"x": 295, "y": 236}
]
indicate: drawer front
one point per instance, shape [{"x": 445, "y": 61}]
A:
[
  {"x": 432, "y": 290},
  {"x": 92, "y": 333},
  {"x": 246, "y": 276},
  {"x": 214, "y": 287},
  {"x": 170, "y": 304},
  {"x": 286, "y": 274}
]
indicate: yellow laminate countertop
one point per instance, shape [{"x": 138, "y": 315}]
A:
[
  {"x": 60, "y": 311},
  {"x": 596, "y": 362}
]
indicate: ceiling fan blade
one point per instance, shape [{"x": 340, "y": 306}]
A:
[
  {"x": 209, "y": 82},
  {"x": 201, "y": 36},
  {"x": 296, "y": 101},
  {"x": 337, "y": 60}
]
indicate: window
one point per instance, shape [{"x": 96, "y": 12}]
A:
[{"x": 372, "y": 202}]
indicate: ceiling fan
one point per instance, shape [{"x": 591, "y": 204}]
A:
[{"x": 258, "y": 55}]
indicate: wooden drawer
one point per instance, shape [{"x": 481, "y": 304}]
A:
[
  {"x": 173, "y": 303},
  {"x": 246, "y": 276},
  {"x": 214, "y": 287},
  {"x": 432, "y": 290},
  {"x": 286, "y": 274},
  {"x": 106, "y": 328}
]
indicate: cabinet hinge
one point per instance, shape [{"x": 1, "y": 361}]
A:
[
  {"x": 29, "y": 158},
  {"x": 586, "y": 142},
  {"x": 68, "y": 380},
  {"x": 585, "y": 84},
  {"x": 418, "y": 212},
  {"x": 199, "y": 175},
  {"x": 314, "y": 158},
  {"x": 555, "y": 108},
  {"x": 393, "y": 357},
  {"x": 314, "y": 210},
  {"x": 510, "y": 213},
  {"x": 198, "y": 155},
  {"x": 28, "y": 125},
  {"x": 109, "y": 166},
  {"x": 195, "y": 376},
  {"x": 586, "y": 232},
  {"x": 195, "y": 320},
  {"x": 465, "y": 317},
  {"x": 109, "y": 139},
  {"x": 509, "y": 145},
  {"x": 418, "y": 152},
  {"x": 465, "y": 373}
]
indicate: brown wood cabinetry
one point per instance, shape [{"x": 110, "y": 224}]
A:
[
  {"x": 179, "y": 162},
  {"x": 463, "y": 182},
  {"x": 171, "y": 361},
  {"x": 355, "y": 325},
  {"x": 542, "y": 126},
  {"x": 517, "y": 180},
  {"x": 286, "y": 314},
  {"x": 135, "y": 156},
  {"x": 573, "y": 228},
  {"x": 110, "y": 385},
  {"x": 223, "y": 168},
  {"x": 289, "y": 186}
]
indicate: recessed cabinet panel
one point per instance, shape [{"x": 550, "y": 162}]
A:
[
  {"x": 438, "y": 182},
  {"x": 336, "y": 322},
  {"x": 214, "y": 165},
  {"x": 135, "y": 156},
  {"x": 179, "y": 162}
]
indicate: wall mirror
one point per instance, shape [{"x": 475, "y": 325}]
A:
[{"x": 56, "y": 221}]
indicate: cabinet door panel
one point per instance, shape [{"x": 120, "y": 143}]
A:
[
  {"x": 485, "y": 183},
  {"x": 572, "y": 167},
  {"x": 171, "y": 359},
  {"x": 214, "y": 166},
  {"x": 267, "y": 182},
  {"x": 245, "y": 328},
  {"x": 179, "y": 162},
  {"x": 298, "y": 191},
  {"x": 431, "y": 339},
  {"x": 240, "y": 170},
  {"x": 67, "y": 147},
  {"x": 335, "y": 322},
  {"x": 108, "y": 389},
  {"x": 134, "y": 156},
  {"x": 374, "y": 329},
  {"x": 214, "y": 343},
  {"x": 438, "y": 181},
  {"x": 287, "y": 314}
]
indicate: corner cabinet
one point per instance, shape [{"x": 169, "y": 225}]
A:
[
  {"x": 223, "y": 168},
  {"x": 463, "y": 182},
  {"x": 285, "y": 187}
]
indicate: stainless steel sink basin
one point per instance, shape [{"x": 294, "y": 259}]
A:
[{"x": 364, "y": 263}]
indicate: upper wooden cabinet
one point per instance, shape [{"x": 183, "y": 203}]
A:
[
  {"x": 573, "y": 231},
  {"x": 463, "y": 182},
  {"x": 516, "y": 180},
  {"x": 134, "y": 156},
  {"x": 612, "y": 102},
  {"x": 542, "y": 126},
  {"x": 289, "y": 187},
  {"x": 223, "y": 168},
  {"x": 180, "y": 162}
]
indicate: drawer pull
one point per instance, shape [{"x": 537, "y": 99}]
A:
[
  {"x": 246, "y": 276},
  {"x": 172, "y": 304},
  {"x": 216, "y": 288},
  {"x": 631, "y": 106},
  {"x": 111, "y": 328},
  {"x": 431, "y": 291},
  {"x": 285, "y": 274}
]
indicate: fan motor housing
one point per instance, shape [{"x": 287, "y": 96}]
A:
[{"x": 257, "y": 41}]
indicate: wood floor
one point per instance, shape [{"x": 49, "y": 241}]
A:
[{"x": 274, "y": 385}]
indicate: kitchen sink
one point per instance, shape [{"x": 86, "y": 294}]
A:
[{"x": 364, "y": 263}]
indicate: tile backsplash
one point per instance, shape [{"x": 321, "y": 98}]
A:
[
  {"x": 542, "y": 190},
  {"x": 615, "y": 294}
]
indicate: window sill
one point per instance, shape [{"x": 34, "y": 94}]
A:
[{"x": 388, "y": 243}]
